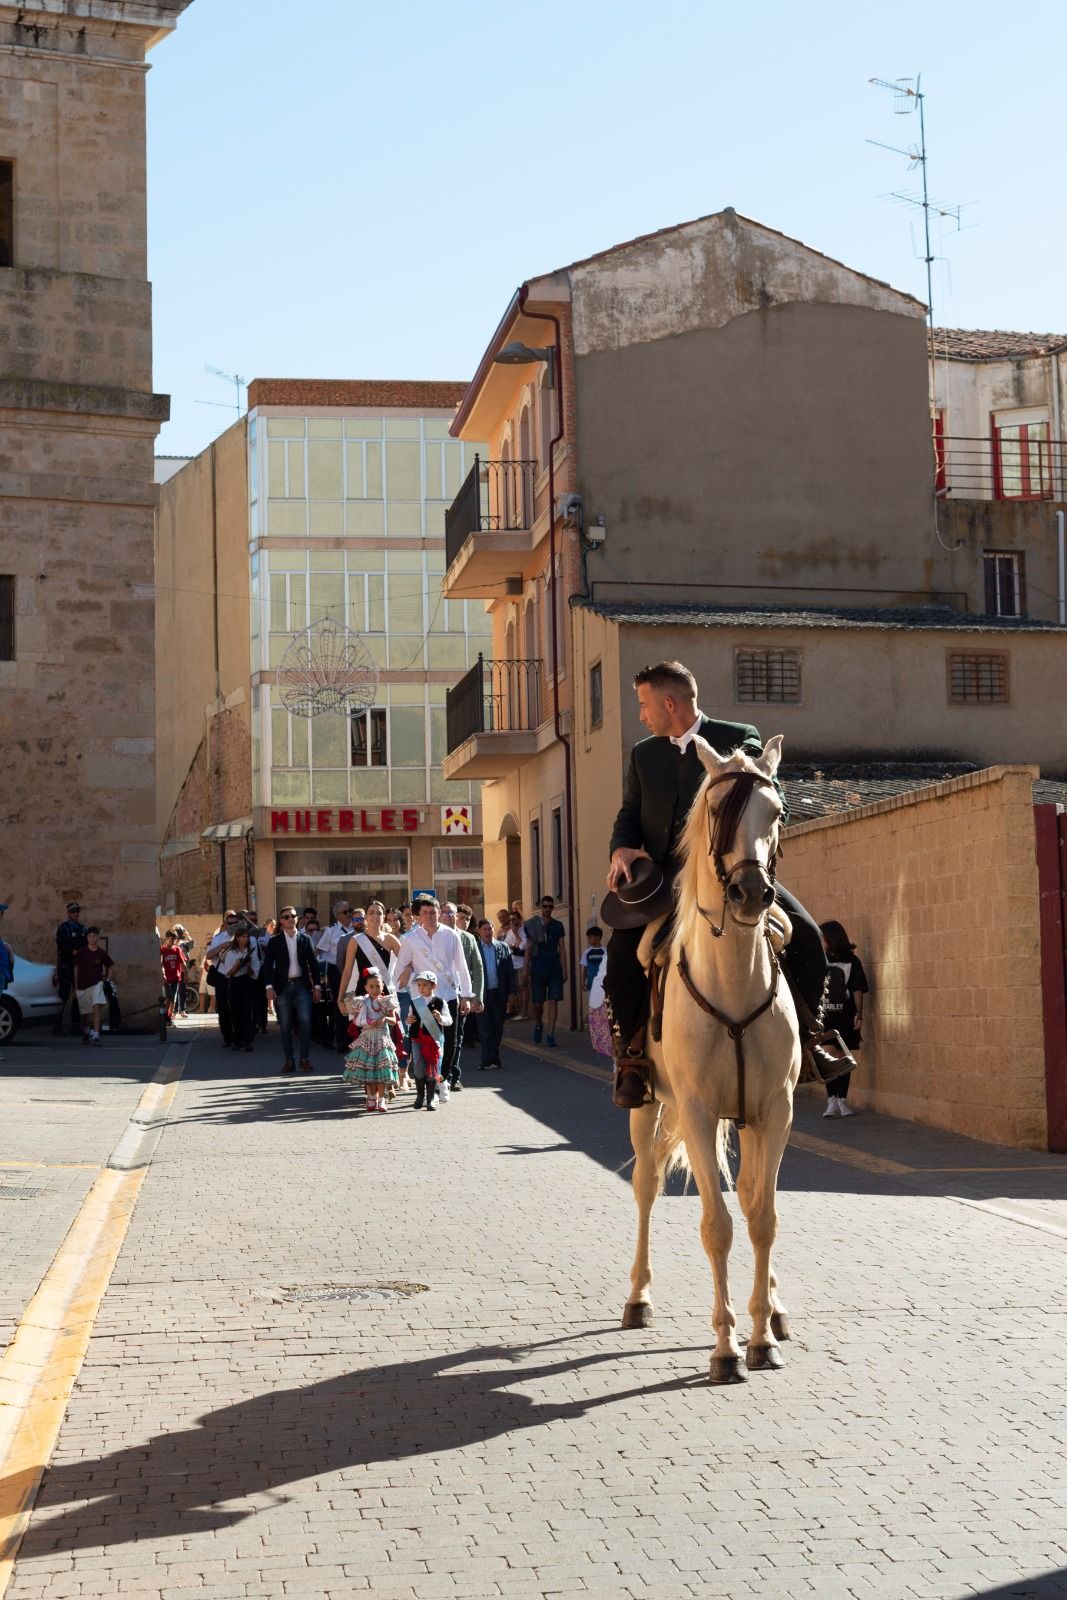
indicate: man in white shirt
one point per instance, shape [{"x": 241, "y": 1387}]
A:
[
  {"x": 431, "y": 947},
  {"x": 326, "y": 950}
]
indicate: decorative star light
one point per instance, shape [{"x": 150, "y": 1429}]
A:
[{"x": 327, "y": 668}]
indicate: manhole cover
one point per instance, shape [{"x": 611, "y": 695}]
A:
[
  {"x": 22, "y": 1188},
  {"x": 372, "y": 1292}
]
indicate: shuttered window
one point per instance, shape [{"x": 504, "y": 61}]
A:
[
  {"x": 767, "y": 675},
  {"x": 7, "y": 618},
  {"x": 978, "y": 680}
]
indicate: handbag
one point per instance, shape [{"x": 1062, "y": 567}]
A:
[{"x": 211, "y": 976}]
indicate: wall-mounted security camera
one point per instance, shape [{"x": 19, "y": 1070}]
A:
[
  {"x": 597, "y": 532},
  {"x": 569, "y": 509}
]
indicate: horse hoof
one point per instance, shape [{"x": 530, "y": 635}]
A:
[
  {"x": 780, "y": 1325},
  {"x": 763, "y": 1358},
  {"x": 637, "y": 1314},
  {"x": 727, "y": 1369}
]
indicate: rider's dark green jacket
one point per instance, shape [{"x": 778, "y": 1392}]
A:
[{"x": 660, "y": 787}]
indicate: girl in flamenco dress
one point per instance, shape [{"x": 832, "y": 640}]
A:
[{"x": 372, "y": 1060}]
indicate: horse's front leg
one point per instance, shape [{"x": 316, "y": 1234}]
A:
[
  {"x": 762, "y": 1148},
  {"x": 717, "y": 1236},
  {"x": 637, "y": 1312}
]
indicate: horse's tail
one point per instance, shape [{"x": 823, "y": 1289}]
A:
[{"x": 672, "y": 1156}]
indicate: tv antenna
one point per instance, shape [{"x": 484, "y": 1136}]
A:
[
  {"x": 238, "y": 382},
  {"x": 908, "y": 98}
]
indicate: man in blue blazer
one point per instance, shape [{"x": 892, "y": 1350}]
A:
[
  {"x": 290, "y": 976},
  {"x": 499, "y": 986}
]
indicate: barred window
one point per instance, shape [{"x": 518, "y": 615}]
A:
[
  {"x": 977, "y": 680},
  {"x": 767, "y": 675},
  {"x": 596, "y": 695}
]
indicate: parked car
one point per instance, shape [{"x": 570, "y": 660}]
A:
[{"x": 30, "y": 997}]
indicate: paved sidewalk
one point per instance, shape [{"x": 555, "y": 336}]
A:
[
  {"x": 62, "y": 1110},
  {"x": 234, "y": 1433}
]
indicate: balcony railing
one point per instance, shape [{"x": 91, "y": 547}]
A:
[
  {"x": 494, "y": 697},
  {"x": 496, "y": 497},
  {"x": 1016, "y": 463}
]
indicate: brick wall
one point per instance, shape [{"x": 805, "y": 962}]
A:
[{"x": 938, "y": 890}]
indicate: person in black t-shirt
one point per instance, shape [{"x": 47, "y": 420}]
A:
[{"x": 846, "y": 987}]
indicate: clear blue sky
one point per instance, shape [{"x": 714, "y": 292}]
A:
[{"x": 341, "y": 189}]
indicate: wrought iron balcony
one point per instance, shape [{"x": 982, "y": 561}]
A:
[
  {"x": 496, "y": 497},
  {"x": 492, "y": 717},
  {"x": 1016, "y": 463}
]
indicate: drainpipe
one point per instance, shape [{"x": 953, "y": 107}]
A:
[
  {"x": 1062, "y": 587},
  {"x": 568, "y": 785}
]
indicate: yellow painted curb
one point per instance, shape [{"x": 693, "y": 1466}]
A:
[
  {"x": 39, "y": 1369},
  {"x": 557, "y": 1058},
  {"x": 848, "y": 1156}
]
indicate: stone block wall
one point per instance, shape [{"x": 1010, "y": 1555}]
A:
[{"x": 938, "y": 889}]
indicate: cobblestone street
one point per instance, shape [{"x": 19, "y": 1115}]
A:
[{"x": 237, "y": 1430}]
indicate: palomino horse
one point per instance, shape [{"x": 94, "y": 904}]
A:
[{"x": 729, "y": 1034}]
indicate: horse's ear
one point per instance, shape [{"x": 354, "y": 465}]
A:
[
  {"x": 710, "y": 759},
  {"x": 772, "y": 755}
]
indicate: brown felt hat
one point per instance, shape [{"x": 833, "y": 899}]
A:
[{"x": 645, "y": 897}]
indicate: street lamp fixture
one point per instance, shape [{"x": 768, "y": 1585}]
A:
[{"x": 517, "y": 354}]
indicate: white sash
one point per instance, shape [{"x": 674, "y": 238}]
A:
[
  {"x": 373, "y": 960},
  {"x": 429, "y": 1021}
]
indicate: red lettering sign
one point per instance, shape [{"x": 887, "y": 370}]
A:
[{"x": 345, "y": 820}]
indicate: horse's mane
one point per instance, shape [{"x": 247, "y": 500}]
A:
[{"x": 693, "y": 844}]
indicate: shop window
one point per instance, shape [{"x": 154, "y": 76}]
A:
[
  {"x": 7, "y": 213},
  {"x": 770, "y": 676},
  {"x": 1005, "y": 583},
  {"x": 458, "y": 874},
  {"x": 596, "y": 695},
  {"x": 7, "y": 618},
  {"x": 369, "y": 744},
  {"x": 978, "y": 679}
]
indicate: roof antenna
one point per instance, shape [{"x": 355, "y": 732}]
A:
[
  {"x": 238, "y": 382},
  {"x": 909, "y": 97}
]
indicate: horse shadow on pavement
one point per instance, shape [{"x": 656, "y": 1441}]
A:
[{"x": 177, "y": 1484}]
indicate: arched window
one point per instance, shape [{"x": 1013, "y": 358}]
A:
[
  {"x": 524, "y": 486},
  {"x": 503, "y": 507},
  {"x": 531, "y": 650},
  {"x": 547, "y": 417}
]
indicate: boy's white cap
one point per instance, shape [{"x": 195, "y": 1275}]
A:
[{"x": 425, "y": 977}]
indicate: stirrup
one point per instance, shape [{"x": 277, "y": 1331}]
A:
[
  {"x": 827, "y": 1054},
  {"x": 643, "y": 1068}
]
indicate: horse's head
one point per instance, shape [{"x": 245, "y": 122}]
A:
[{"x": 732, "y": 835}]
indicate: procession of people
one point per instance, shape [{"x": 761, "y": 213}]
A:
[{"x": 395, "y": 990}]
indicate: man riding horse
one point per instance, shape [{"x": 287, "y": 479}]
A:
[{"x": 661, "y": 782}]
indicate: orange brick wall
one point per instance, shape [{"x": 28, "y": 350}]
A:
[{"x": 939, "y": 891}]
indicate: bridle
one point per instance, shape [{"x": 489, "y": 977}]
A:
[
  {"x": 721, "y": 832},
  {"x": 720, "y": 837}
]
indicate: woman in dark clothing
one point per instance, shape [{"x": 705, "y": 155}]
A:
[{"x": 846, "y": 987}]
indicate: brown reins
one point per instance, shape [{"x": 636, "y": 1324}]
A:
[
  {"x": 720, "y": 838},
  {"x": 736, "y": 1030}
]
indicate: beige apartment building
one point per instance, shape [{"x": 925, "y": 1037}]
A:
[
  {"x": 78, "y": 421},
  {"x": 317, "y": 518},
  {"x": 715, "y": 443}
]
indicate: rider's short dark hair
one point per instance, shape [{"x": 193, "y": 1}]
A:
[{"x": 668, "y": 677}]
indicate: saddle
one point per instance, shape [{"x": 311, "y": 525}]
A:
[{"x": 654, "y": 953}]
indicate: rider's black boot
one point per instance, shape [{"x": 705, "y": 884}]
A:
[{"x": 824, "y": 1051}]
